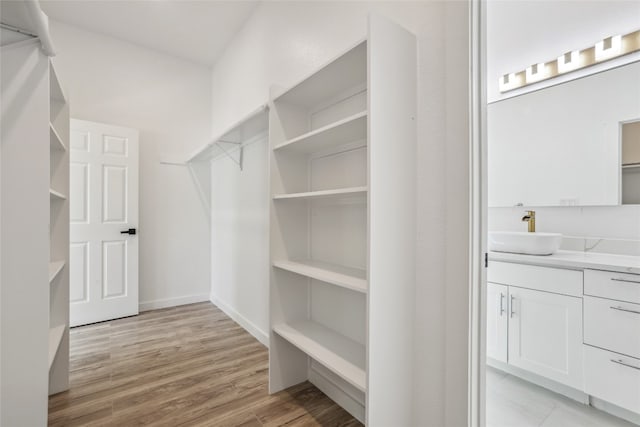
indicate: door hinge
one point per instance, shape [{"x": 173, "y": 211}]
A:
[{"x": 486, "y": 260}]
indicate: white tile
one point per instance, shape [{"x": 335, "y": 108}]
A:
[
  {"x": 582, "y": 416},
  {"x": 513, "y": 402}
]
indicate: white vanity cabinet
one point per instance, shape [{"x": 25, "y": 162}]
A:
[
  {"x": 612, "y": 337},
  {"x": 545, "y": 334},
  {"x": 497, "y": 321},
  {"x": 534, "y": 320}
]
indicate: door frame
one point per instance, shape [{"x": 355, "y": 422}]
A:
[{"x": 478, "y": 213}]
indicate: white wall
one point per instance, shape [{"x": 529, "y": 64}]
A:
[
  {"x": 240, "y": 238},
  {"x": 284, "y": 42},
  {"x": 168, "y": 100},
  {"x": 525, "y": 32}
]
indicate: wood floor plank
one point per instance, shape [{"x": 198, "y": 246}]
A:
[{"x": 180, "y": 366}]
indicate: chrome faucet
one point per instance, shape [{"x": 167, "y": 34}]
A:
[{"x": 530, "y": 218}]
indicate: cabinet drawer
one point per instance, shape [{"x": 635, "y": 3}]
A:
[
  {"x": 607, "y": 284},
  {"x": 613, "y": 325},
  {"x": 557, "y": 280},
  {"x": 607, "y": 378}
]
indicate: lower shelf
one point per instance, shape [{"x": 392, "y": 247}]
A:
[
  {"x": 56, "y": 195},
  {"x": 55, "y": 338},
  {"x": 55, "y": 267},
  {"x": 341, "y": 355}
]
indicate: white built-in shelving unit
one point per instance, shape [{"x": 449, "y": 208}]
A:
[
  {"x": 343, "y": 228},
  {"x": 58, "y": 236},
  {"x": 34, "y": 222}
]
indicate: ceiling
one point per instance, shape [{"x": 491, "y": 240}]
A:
[{"x": 197, "y": 31}]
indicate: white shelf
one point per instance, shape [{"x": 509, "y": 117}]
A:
[
  {"x": 55, "y": 338},
  {"x": 55, "y": 140},
  {"x": 341, "y": 74},
  {"x": 335, "y": 134},
  {"x": 55, "y": 267},
  {"x": 346, "y": 277},
  {"x": 55, "y": 90},
  {"x": 341, "y": 355},
  {"x": 631, "y": 166},
  {"x": 55, "y": 195},
  {"x": 351, "y": 191},
  {"x": 251, "y": 126}
]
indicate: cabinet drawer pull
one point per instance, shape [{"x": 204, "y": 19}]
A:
[
  {"x": 621, "y": 362},
  {"x": 618, "y": 279},
  {"x": 501, "y": 303},
  {"x": 511, "y": 306},
  {"x": 624, "y": 309}
]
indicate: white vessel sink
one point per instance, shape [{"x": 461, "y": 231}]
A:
[{"x": 521, "y": 242}]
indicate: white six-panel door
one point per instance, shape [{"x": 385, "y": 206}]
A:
[{"x": 103, "y": 204}]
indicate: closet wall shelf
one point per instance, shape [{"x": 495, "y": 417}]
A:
[
  {"x": 55, "y": 267},
  {"x": 249, "y": 127},
  {"x": 55, "y": 338},
  {"x": 350, "y": 191},
  {"x": 341, "y": 355},
  {"x": 55, "y": 90},
  {"x": 55, "y": 140},
  {"x": 332, "y": 135},
  {"x": 346, "y": 277},
  {"x": 56, "y": 195}
]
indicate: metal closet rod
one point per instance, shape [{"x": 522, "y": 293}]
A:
[
  {"x": 17, "y": 30},
  {"x": 41, "y": 22}
]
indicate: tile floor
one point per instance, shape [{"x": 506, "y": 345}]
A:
[{"x": 513, "y": 402}]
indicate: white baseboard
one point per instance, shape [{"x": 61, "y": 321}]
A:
[
  {"x": 171, "y": 302},
  {"x": 625, "y": 414},
  {"x": 248, "y": 325},
  {"x": 570, "y": 392}
]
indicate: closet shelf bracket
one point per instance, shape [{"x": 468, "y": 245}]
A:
[{"x": 228, "y": 154}]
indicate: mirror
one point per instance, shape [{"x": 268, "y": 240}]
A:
[
  {"x": 631, "y": 163},
  {"x": 561, "y": 145}
]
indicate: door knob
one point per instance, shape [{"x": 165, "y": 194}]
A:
[{"x": 129, "y": 231}]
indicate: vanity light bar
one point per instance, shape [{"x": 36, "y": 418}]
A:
[{"x": 604, "y": 50}]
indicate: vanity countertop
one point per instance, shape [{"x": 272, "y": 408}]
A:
[{"x": 574, "y": 260}]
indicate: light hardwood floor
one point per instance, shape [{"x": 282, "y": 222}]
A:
[{"x": 188, "y": 365}]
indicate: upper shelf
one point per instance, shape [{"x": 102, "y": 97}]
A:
[
  {"x": 347, "y": 71},
  {"x": 333, "y": 135},
  {"x": 322, "y": 194},
  {"x": 254, "y": 124},
  {"x": 55, "y": 89},
  {"x": 55, "y": 140}
]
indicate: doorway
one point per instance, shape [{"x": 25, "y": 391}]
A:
[{"x": 103, "y": 281}]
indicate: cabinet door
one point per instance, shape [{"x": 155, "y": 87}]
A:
[
  {"x": 497, "y": 296},
  {"x": 545, "y": 335}
]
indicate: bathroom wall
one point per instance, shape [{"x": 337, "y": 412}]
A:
[
  {"x": 523, "y": 33},
  {"x": 168, "y": 100},
  {"x": 285, "y": 41}
]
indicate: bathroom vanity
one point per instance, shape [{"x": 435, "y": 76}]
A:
[{"x": 569, "y": 322}]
